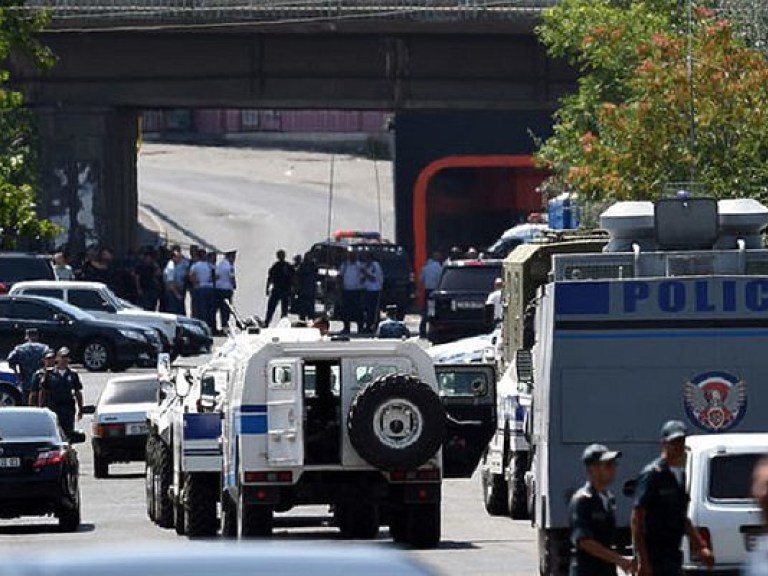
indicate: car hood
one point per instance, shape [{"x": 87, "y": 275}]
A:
[
  {"x": 116, "y": 324},
  {"x": 464, "y": 351},
  {"x": 146, "y": 315}
]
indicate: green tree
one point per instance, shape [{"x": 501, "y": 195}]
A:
[
  {"x": 626, "y": 131},
  {"x": 18, "y": 214}
]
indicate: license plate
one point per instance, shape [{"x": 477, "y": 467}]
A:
[
  {"x": 135, "y": 429},
  {"x": 10, "y": 462},
  {"x": 469, "y": 305},
  {"x": 751, "y": 535}
]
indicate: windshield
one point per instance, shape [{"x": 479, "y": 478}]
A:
[
  {"x": 14, "y": 270},
  {"x": 130, "y": 392},
  {"x": 26, "y": 424},
  {"x": 730, "y": 476},
  {"x": 469, "y": 279}
]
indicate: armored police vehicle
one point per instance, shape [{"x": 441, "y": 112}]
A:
[
  {"x": 670, "y": 322},
  {"x": 368, "y": 427}
]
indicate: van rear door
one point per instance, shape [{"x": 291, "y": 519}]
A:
[
  {"x": 468, "y": 392},
  {"x": 285, "y": 435}
]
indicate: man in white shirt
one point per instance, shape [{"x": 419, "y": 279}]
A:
[
  {"x": 203, "y": 292},
  {"x": 496, "y": 300},
  {"x": 349, "y": 275},
  {"x": 429, "y": 278},
  {"x": 372, "y": 277},
  {"x": 225, "y": 285}
]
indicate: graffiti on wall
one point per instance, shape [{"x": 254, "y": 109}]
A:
[{"x": 72, "y": 204}]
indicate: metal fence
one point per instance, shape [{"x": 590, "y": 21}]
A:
[{"x": 119, "y": 12}]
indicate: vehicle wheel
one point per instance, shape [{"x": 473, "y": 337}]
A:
[
  {"x": 554, "y": 552},
  {"x": 398, "y": 422},
  {"x": 228, "y": 517},
  {"x": 200, "y": 496},
  {"x": 398, "y": 526},
  {"x": 179, "y": 522},
  {"x": 97, "y": 356},
  {"x": 516, "y": 489},
  {"x": 495, "y": 494},
  {"x": 423, "y": 526},
  {"x": 100, "y": 466},
  {"x": 69, "y": 518},
  {"x": 163, "y": 470},
  {"x": 254, "y": 520},
  {"x": 9, "y": 396},
  {"x": 357, "y": 521},
  {"x": 149, "y": 492}
]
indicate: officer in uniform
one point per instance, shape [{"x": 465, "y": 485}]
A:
[
  {"x": 593, "y": 518},
  {"x": 26, "y": 359},
  {"x": 392, "y": 327},
  {"x": 659, "y": 518},
  {"x": 62, "y": 392},
  {"x": 40, "y": 377}
]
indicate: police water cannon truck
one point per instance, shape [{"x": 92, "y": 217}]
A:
[
  {"x": 669, "y": 322},
  {"x": 369, "y": 427}
]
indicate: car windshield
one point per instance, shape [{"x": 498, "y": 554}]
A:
[
  {"x": 14, "y": 270},
  {"x": 730, "y": 476},
  {"x": 469, "y": 278},
  {"x": 130, "y": 392},
  {"x": 26, "y": 424}
]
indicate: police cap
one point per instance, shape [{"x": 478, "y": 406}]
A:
[
  {"x": 673, "y": 430},
  {"x": 595, "y": 453},
  {"x": 63, "y": 351}
]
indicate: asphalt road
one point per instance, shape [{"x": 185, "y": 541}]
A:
[{"x": 256, "y": 205}]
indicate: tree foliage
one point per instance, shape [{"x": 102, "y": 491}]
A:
[
  {"x": 18, "y": 215},
  {"x": 626, "y": 132}
]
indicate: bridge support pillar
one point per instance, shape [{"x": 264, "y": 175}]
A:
[{"x": 88, "y": 175}]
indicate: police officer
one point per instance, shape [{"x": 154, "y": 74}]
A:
[
  {"x": 62, "y": 392},
  {"x": 26, "y": 359},
  {"x": 659, "y": 519},
  {"x": 593, "y": 518},
  {"x": 392, "y": 327},
  {"x": 41, "y": 376}
]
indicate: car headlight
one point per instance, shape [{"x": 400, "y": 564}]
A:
[{"x": 133, "y": 335}]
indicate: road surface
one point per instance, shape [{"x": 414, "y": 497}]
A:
[{"x": 258, "y": 201}]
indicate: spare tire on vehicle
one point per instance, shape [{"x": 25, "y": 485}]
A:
[{"x": 396, "y": 423}]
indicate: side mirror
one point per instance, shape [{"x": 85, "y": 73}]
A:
[
  {"x": 184, "y": 384},
  {"x": 76, "y": 437},
  {"x": 61, "y": 318},
  {"x": 479, "y": 388},
  {"x": 208, "y": 386},
  {"x": 89, "y": 409}
]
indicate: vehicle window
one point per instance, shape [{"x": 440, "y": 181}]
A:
[
  {"x": 310, "y": 378},
  {"x": 130, "y": 392},
  {"x": 47, "y": 292},
  {"x": 730, "y": 476},
  {"x": 15, "y": 424},
  {"x": 86, "y": 299},
  {"x": 365, "y": 374},
  {"x": 463, "y": 384},
  {"x": 20, "y": 269},
  {"x": 469, "y": 279},
  {"x": 32, "y": 311}
]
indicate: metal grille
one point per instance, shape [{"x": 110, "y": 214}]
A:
[{"x": 598, "y": 272}]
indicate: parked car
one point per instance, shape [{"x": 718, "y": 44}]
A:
[
  {"x": 97, "y": 299},
  {"x": 120, "y": 421},
  {"x": 399, "y": 281},
  {"x": 10, "y": 392},
  {"x": 514, "y": 237},
  {"x": 18, "y": 267},
  {"x": 97, "y": 344},
  {"x": 719, "y": 472},
  {"x": 456, "y": 309},
  {"x": 39, "y": 469}
]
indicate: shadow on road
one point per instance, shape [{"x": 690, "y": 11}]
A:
[
  {"x": 124, "y": 476},
  {"x": 31, "y": 529},
  {"x": 170, "y": 221}
]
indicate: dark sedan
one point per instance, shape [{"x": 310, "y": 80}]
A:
[
  {"x": 39, "y": 469},
  {"x": 97, "y": 344}
]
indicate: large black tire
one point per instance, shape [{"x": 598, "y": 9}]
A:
[
  {"x": 200, "y": 499},
  {"x": 423, "y": 526},
  {"x": 495, "y": 494},
  {"x": 357, "y": 521},
  {"x": 398, "y": 526},
  {"x": 10, "y": 396},
  {"x": 97, "y": 355},
  {"x": 100, "y": 466},
  {"x": 69, "y": 518},
  {"x": 228, "y": 518},
  {"x": 397, "y": 422},
  {"x": 517, "y": 490},
  {"x": 554, "y": 552},
  {"x": 162, "y": 483},
  {"x": 149, "y": 492},
  {"x": 254, "y": 520}
]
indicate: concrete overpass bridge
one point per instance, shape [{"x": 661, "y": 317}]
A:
[{"x": 438, "y": 59}]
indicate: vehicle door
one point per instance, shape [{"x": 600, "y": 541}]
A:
[
  {"x": 468, "y": 393},
  {"x": 92, "y": 301},
  {"x": 284, "y": 418},
  {"x": 54, "y": 328},
  {"x": 11, "y": 333}
]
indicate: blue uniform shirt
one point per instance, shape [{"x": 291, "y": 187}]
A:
[
  {"x": 27, "y": 358},
  {"x": 390, "y": 328}
]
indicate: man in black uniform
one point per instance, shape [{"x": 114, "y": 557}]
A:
[
  {"x": 62, "y": 392},
  {"x": 659, "y": 518},
  {"x": 279, "y": 286},
  {"x": 40, "y": 377},
  {"x": 593, "y": 518}
]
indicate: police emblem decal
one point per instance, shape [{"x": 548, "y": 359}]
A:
[{"x": 715, "y": 401}]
